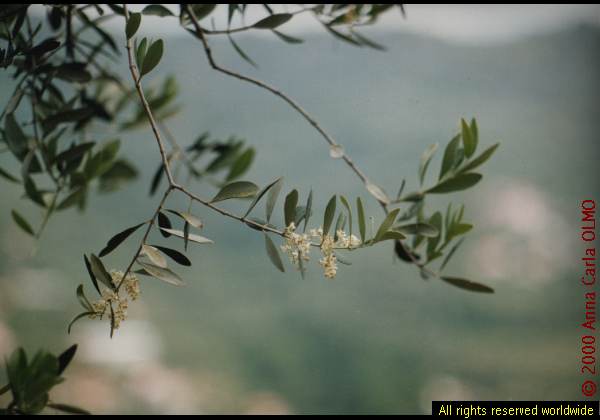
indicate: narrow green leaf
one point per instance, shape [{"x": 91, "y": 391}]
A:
[
  {"x": 88, "y": 266},
  {"x": 14, "y": 136},
  {"x": 308, "y": 209},
  {"x": 241, "y": 165},
  {"x": 77, "y": 318},
  {"x": 289, "y": 208},
  {"x": 133, "y": 24},
  {"x": 451, "y": 253},
  {"x": 362, "y": 226},
  {"x": 191, "y": 237},
  {"x": 349, "y": 210},
  {"x": 391, "y": 235},
  {"x": 186, "y": 235},
  {"x": 425, "y": 160},
  {"x": 273, "y": 21},
  {"x": 140, "y": 53},
  {"x": 152, "y": 57},
  {"x": 260, "y": 195},
  {"x": 273, "y": 253},
  {"x": 482, "y": 158},
  {"x": 100, "y": 272},
  {"x": 449, "y": 156},
  {"x": 474, "y": 132},
  {"x": 238, "y": 189},
  {"x": 459, "y": 182},
  {"x": 116, "y": 240},
  {"x": 287, "y": 38},
  {"x": 176, "y": 256},
  {"x": 272, "y": 197},
  {"x": 83, "y": 300},
  {"x": 386, "y": 224},
  {"x": 468, "y": 285},
  {"x": 164, "y": 223},
  {"x": 22, "y": 223},
  {"x": 329, "y": 215},
  {"x": 420, "y": 228},
  {"x": 75, "y": 152},
  {"x": 240, "y": 52},
  {"x": 468, "y": 141},
  {"x": 161, "y": 273},
  {"x": 65, "y": 358},
  {"x": 156, "y": 10}
]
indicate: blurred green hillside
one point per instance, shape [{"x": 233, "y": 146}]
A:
[{"x": 241, "y": 337}]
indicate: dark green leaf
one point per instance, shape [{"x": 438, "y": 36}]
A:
[
  {"x": 273, "y": 253},
  {"x": 362, "y": 226},
  {"x": 272, "y": 197},
  {"x": 457, "y": 183},
  {"x": 288, "y": 38},
  {"x": 164, "y": 223},
  {"x": 386, "y": 224},
  {"x": 238, "y": 189},
  {"x": 73, "y": 153},
  {"x": 449, "y": 156},
  {"x": 482, "y": 158},
  {"x": 22, "y": 223},
  {"x": 77, "y": 318},
  {"x": 449, "y": 255},
  {"x": 289, "y": 208},
  {"x": 241, "y": 165},
  {"x": 469, "y": 143},
  {"x": 116, "y": 240},
  {"x": 241, "y": 52},
  {"x": 65, "y": 358},
  {"x": 88, "y": 265},
  {"x": 176, "y": 256},
  {"x": 273, "y": 21},
  {"x": 14, "y": 136},
  {"x": 133, "y": 24},
  {"x": 157, "y": 10},
  {"x": 261, "y": 194},
  {"x": 349, "y": 210},
  {"x": 423, "y": 229},
  {"x": 140, "y": 53},
  {"x": 329, "y": 215},
  {"x": 152, "y": 57},
  {"x": 468, "y": 285},
  {"x": 308, "y": 209},
  {"x": 158, "y": 175},
  {"x": 83, "y": 300}
]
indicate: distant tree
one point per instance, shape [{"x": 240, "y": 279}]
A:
[{"x": 63, "y": 84}]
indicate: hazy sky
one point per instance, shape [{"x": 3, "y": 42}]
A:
[{"x": 469, "y": 23}]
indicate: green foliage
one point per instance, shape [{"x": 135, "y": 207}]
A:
[{"x": 31, "y": 380}]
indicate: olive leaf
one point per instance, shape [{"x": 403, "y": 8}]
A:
[
  {"x": 289, "y": 208},
  {"x": 175, "y": 255},
  {"x": 161, "y": 273},
  {"x": 154, "y": 255},
  {"x": 194, "y": 238},
  {"x": 272, "y": 197},
  {"x": 261, "y": 195},
  {"x": 273, "y": 253},
  {"x": 457, "y": 183},
  {"x": 238, "y": 189},
  {"x": 116, "y": 240},
  {"x": 329, "y": 215},
  {"x": 273, "y": 21},
  {"x": 22, "y": 223},
  {"x": 467, "y": 284}
]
